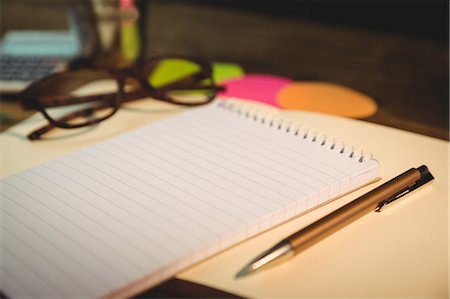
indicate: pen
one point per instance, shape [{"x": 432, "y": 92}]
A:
[{"x": 376, "y": 199}]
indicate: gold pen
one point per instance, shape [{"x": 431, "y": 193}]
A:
[{"x": 373, "y": 200}]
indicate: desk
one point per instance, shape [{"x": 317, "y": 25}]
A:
[
  {"x": 407, "y": 75},
  {"x": 399, "y": 253}
]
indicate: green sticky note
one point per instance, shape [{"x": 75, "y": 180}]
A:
[
  {"x": 171, "y": 70},
  {"x": 224, "y": 71}
]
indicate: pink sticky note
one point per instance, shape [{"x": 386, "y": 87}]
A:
[{"x": 256, "y": 87}]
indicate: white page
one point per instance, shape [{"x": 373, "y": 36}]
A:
[{"x": 155, "y": 200}]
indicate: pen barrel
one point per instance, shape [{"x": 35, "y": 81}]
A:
[{"x": 351, "y": 211}]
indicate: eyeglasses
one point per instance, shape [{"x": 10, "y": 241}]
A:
[{"x": 85, "y": 97}]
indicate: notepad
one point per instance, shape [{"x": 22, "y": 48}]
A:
[{"x": 120, "y": 216}]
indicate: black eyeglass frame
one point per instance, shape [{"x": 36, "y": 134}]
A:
[{"x": 140, "y": 72}]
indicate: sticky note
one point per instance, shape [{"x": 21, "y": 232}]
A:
[
  {"x": 256, "y": 87},
  {"x": 170, "y": 70},
  {"x": 226, "y": 71},
  {"x": 326, "y": 98}
]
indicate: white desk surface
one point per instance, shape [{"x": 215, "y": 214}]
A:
[{"x": 402, "y": 252}]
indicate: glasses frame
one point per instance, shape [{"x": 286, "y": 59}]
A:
[{"x": 114, "y": 100}]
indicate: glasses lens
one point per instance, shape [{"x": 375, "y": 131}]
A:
[
  {"x": 183, "y": 81},
  {"x": 78, "y": 98}
]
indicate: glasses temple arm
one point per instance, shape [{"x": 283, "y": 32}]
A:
[{"x": 37, "y": 134}]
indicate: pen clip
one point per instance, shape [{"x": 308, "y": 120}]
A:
[{"x": 425, "y": 177}]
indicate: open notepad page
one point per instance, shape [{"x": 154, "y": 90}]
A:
[{"x": 122, "y": 215}]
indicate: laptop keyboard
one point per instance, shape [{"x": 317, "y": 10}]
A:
[{"x": 27, "y": 68}]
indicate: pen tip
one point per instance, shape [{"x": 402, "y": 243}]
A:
[
  {"x": 247, "y": 270},
  {"x": 277, "y": 253}
]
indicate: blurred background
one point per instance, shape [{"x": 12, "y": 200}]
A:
[{"x": 397, "y": 52}]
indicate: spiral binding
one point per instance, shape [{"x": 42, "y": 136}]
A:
[{"x": 295, "y": 128}]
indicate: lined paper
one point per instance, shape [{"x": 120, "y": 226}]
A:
[{"x": 153, "y": 201}]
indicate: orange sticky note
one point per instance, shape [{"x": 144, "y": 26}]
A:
[{"x": 326, "y": 98}]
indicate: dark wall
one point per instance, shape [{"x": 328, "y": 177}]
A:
[{"x": 427, "y": 18}]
